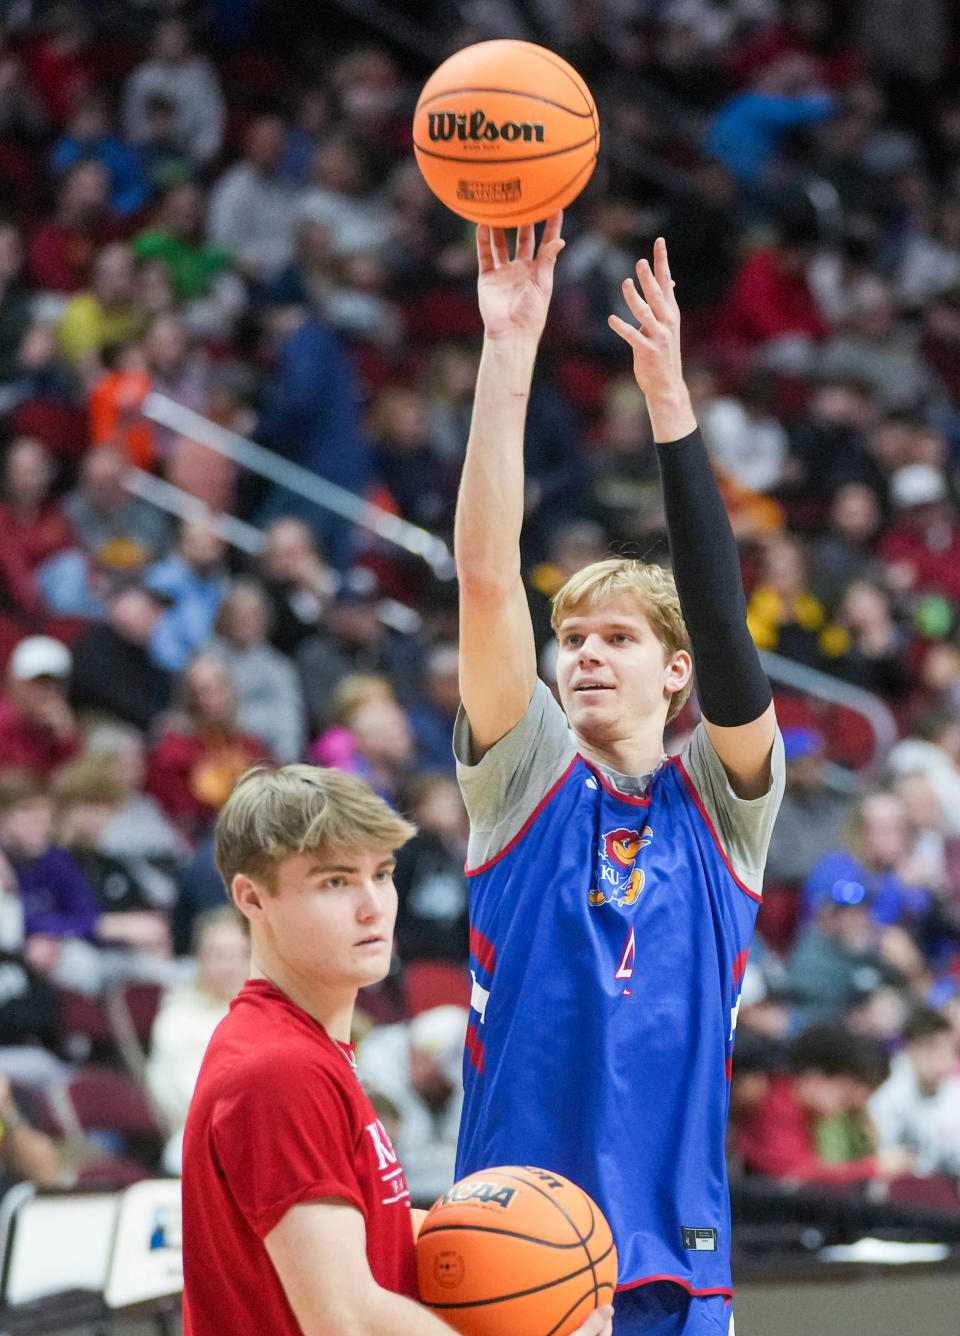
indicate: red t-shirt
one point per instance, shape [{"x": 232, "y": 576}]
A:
[{"x": 277, "y": 1118}]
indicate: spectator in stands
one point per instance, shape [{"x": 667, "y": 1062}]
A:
[
  {"x": 783, "y": 614},
  {"x": 933, "y": 750},
  {"x": 311, "y": 415},
  {"x": 778, "y": 1137},
  {"x": 588, "y": 284},
  {"x": 922, "y": 546},
  {"x": 748, "y": 131},
  {"x": 60, "y": 249},
  {"x": 416, "y": 1065},
  {"x": 38, "y": 731},
  {"x": 120, "y": 531},
  {"x": 934, "y": 853},
  {"x": 813, "y": 813},
  {"x": 164, "y": 161},
  {"x": 89, "y": 138},
  {"x": 355, "y": 640},
  {"x": 339, "y": 196},
  {"x": 880, "y": 351},
  {"x": 406, "y": 459},
  {"x": 59, "y": 907},
  {"x": 432, "y": 921},
  {"x": 26, "y": 1153},
  {"x": 116, "y": 668},
  {"x": 194, "y": 579},
  {"x": 837, "y": 958},
  {"x": 269, "y": 696},
  {"x": 873, "y": 858},
  {"x": 107, "y": 314},
  {"x": 61, "y": 63},
  {"x": 41, "y": 569},
  {"x": 918, "y": 1107},
  {"x": 434, "y": 715},
  {"x": 188, "y": 1016},
  {"x": 875, "y": 656},
  {"x": 202, "y": 752},
  {"x": 199, "y": 272},
  {"x": 373, "y": 738},
  {"x": 252, "y": 206},
  {"x": 747, "y": 443},
  {"x": 831, "y": 442},
  {"x": 845, "y": 551},
  {"x": 87, "y": 796},
  {"x": 297, "y": 580},
  {"x": 15, "y": 313},
  {"x": 188, "y": 82}
]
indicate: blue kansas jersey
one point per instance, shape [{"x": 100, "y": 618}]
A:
[{"x": 608, "y": 945}]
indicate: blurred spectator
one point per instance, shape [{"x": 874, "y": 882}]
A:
[
  {"x": 162, "y": 157},
  {"x": 89, "y": 138},
  {"x": 201, "y": 753},
  {"x": 372, "y": 737},
  {"x": 813, "y": 813},
  {"x": 745, "y": 440},
  {"x": 702, "y": 227},
  {"x": 188, "y": 82},
  {"x": 932, "y": 751},
  {"x": 58, "y": 905},
  {"x": 15, "y": 315},
  {"x": 339, "y": 196},
  {"x": 194, "y": 580},
  {"x": 882, "y": 353},
  {"x": 119, "y": 531},
  {"x": 416, "y": 1065},
  {"x": 26, "y": 1153},
  {"x": 595, "y": 263},
  {"x": 748, "y": 131},
  {"x": 188, "y": 1016},
  {"x": 434, "y": 715},
  {"x": 139, "y": 832},
  {"x": 845, "y": 551},
  {"x": 871, "y": 863},
  {"x": 836, "y": 960},
  {"x": 252, "y": 207},
  {"x": 778, "y": 1137},
  {"x": 297, "y": 580},
  {"x": 311, "y": 414},
  {"x": 61, "y": 62},
  {"x": 40, "y": 566},
  {"x": 60, "y": 248},
  {"x": 917, "y": 1109},
  {"x": 783, "y": 614},
  {"x": 875, "y": 657},
  {"x": 269, "y": 697},
  {"x": 115, "y": 667},
  {"x": 108, "y": 313},
  {"x": 38, "y": 731},
  {"x": 432, "y": 921},
  {"x": 922, "y": 546},
  {"x": 311, "y": 121},
  {"x": 355, "y": 640},
  {"x": 406, "y": 460},
  {"x": 87, "y": 796},
  {"x": 934, "y": 853},
  {"x": 831, "y": 440}
]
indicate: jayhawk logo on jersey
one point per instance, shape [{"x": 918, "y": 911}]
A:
[{"x": 620, "y": 880}]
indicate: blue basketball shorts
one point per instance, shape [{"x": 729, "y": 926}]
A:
[{"x": 664, "y": 1309}]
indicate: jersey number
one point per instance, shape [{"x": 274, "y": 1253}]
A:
[{"x": 625, "y": 968}]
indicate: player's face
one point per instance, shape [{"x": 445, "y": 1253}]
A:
[
  {"x": 330, "y": 917},
  {"x": 612, "y": 671}
]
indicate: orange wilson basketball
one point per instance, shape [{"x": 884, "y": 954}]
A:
[
  {"x": 506, "y": 133},
  {"x": 515, "y": 1250}
]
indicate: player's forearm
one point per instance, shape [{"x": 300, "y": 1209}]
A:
[
  {"x": 389, "y": 1314},
  {"x": 490, "y": 503}
]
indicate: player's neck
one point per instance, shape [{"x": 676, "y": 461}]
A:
[
  {"x": 333, "y": 1009},
  {"x": 628, "y": 756}
]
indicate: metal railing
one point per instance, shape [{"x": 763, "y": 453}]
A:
[{"x": 301, "y": 482}]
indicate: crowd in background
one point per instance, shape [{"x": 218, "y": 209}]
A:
[{"x": 218, "y": 202}]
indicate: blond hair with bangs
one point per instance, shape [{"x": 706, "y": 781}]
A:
[
  {"x": 276, "y": 811},
  {"x": 651, "y": 587}
]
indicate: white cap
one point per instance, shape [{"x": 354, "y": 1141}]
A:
[
  {"x": 917, "y": 485},
  {"x": 441, "y": 1032},
  {"x": 40, "y": 656}
]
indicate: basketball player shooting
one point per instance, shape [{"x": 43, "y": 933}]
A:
[
  {"x": 296, "y": 1214},
  {"x": 613, "y": 890}
]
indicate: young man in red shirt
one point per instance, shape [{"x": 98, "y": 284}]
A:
[{"x": 296, "y": 1213}]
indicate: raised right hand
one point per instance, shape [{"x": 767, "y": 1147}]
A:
[
  {"x": 599, "y": 1323},
  {"x": 515, "y": 294}
]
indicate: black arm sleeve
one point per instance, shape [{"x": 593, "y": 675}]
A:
[{"x": 732, "y": 686}]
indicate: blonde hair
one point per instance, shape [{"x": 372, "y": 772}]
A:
[
  {"x": 274, "y": 812},
  {"x": 652, "y": 587}
]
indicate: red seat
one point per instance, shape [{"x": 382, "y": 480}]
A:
[
  {"x": 777, "y": 918},
  {"x": 435, "y": 983},
  {"x": 105, "y": 1100}
]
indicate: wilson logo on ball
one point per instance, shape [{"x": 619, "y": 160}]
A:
[
  {"x": 470, "y": 1191},
  {"x": 446, "y": 125}
]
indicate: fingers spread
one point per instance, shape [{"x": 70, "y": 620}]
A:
[
  {"x": 651, "y": 289},
  {"x": 629, "y": 333},
  {"x": 641, "y": 309},
  {"x": 498, "y": 242}
]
